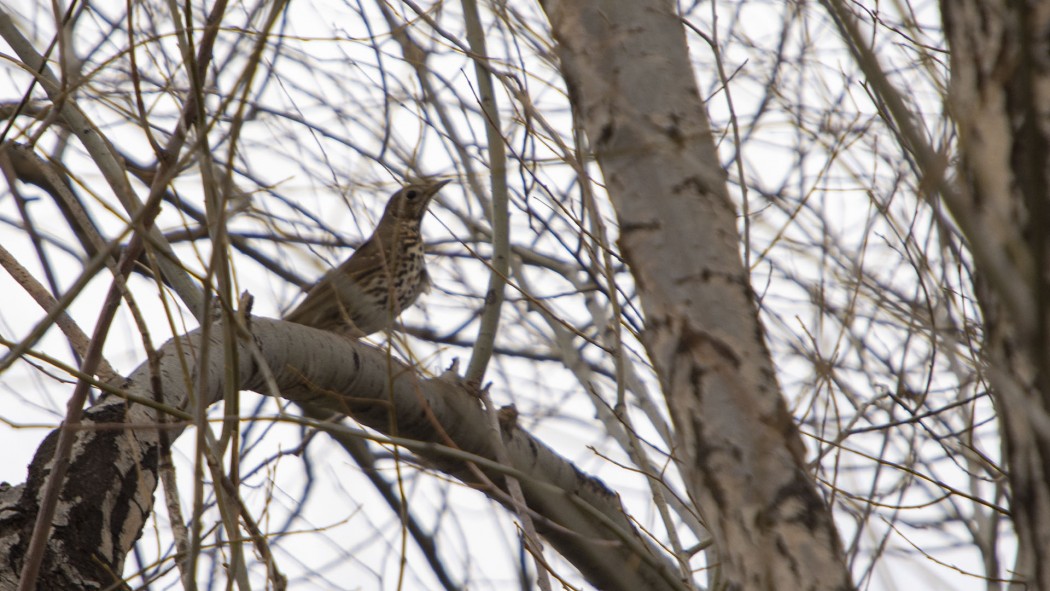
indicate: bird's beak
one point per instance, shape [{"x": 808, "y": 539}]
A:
[
  {"x": 435, "y": 187},
  {"x": 431, "y": 190}
]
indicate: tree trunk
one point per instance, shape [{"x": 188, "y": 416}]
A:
[
  {"x": 627, "y": 68},
  {"x": 1000, "y": 100}
]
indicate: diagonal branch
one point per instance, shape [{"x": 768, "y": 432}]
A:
[{"x": 440, "y": 419}]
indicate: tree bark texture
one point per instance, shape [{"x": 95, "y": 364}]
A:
[
  {"x": 113, "y": 471},
  {"x": 1000, "y": 102},
  {"x": 627, "y": 69}
]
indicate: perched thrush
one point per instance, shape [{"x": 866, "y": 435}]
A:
[{"x": 381, "y": 279}]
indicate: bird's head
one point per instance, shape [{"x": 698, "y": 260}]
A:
[{"x": 411, "y": 201}]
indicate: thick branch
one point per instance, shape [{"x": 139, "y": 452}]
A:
[{"x": 114, "y": 461}]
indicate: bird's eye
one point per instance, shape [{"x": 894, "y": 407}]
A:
[{"x": 412, "y": 194}]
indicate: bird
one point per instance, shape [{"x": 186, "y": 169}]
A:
[{"x": 369, "y": 290}]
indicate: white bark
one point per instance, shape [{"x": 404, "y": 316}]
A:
[{"x": 627, "y": 69}]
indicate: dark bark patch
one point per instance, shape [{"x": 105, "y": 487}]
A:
[
  {"x": 700, "y": 341},
  {"x": 692, "y": 184}
]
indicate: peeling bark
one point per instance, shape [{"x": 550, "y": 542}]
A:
[{"x": 627, "y": 68}]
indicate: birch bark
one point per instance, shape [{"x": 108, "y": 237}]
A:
[
  {"x": 113, "y": 470},
  {"x": 627, "y": 69}
]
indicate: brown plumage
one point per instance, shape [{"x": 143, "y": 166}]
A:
[{"x": 367, "y": 292}]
